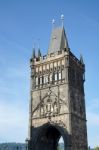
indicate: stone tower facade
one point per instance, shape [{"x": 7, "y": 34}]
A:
[{"x": 57, "y": 104}]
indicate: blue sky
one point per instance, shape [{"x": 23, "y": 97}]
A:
[{"x": 25, "y": 22}]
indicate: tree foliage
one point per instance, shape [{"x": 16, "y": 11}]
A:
[{"x": 96, "y": 148}]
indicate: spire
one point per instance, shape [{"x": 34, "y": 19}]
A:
[
  {"x": 33, "y": 54},
  {"x": 81, "y": 59},
  {"x": 58, "y": 40},
  {"x": 39, "y": 53}
]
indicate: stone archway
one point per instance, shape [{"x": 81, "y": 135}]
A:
[{"x": 48, "y": 136}]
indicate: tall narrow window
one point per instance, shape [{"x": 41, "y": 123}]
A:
[
  {"x": 55, "y": 76},
  {"x": 36, "y": 80},
  {"x": 51, "y": 76},
  {"x": 37, "y": 69},
  {"x": 45, "y": 79},
  {"x": 62, "y": 63},
  {"x": 44, "y": 68},
  {"x": 40, "y": 80},
  {"x": 63, "y": 74},
  {"x": 48, "y": 107},
  {"x": 40, "y": 68},
  {"x": 47, "y": 66},
  {"x": 42, "y": 110},
  {"x": 51, "y": 65},
  {"x": 59, "y": 76}
]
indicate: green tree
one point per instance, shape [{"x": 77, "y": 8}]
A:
[
  {"x": 96, "y": 148},
  {"x": 59, "y": 148}
]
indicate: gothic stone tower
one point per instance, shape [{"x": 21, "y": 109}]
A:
[{"x": 57, "y": 105}]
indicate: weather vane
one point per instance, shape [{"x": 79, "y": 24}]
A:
[{"x": 62, "y": 19}]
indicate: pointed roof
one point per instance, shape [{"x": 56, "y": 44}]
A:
[
  {"x": 33, "y": 53},
  {"x": 39, "y": 53},
  {"x": 58, "y": 40}
]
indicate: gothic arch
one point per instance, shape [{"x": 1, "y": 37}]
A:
[{"x": 48, "y": 136}]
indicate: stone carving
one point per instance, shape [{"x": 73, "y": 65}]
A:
[{"x": 50, "y": 104}]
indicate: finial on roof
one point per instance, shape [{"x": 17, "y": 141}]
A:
[
  {"x": 53, "y": 23},
  {"x": 62, "y": 19},
  {"x": 81, "y": 59}
]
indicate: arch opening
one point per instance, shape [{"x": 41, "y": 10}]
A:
[{"x": 50, "y": 138}]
